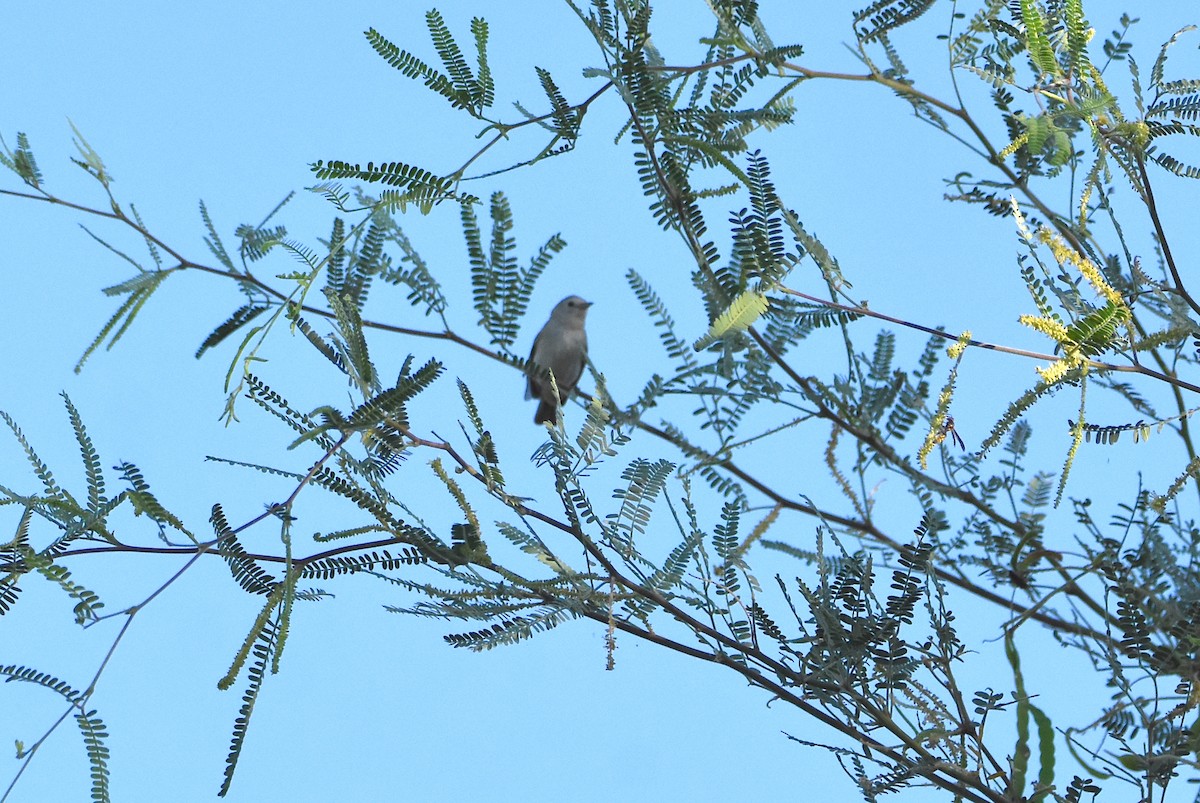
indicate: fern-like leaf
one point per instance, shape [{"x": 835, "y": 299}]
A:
[
  {"x": 22, "y": 162},
  {"x": 248, "y": 574},
  {"x": 145, "y": 502},
  {"x": 413, "y": 67},
  {"x": 94, "y": 734},
  {"x": 646, "y": 480},
  {"x": 742, "y": 312},
  {"x": 240, "y": 317},
  {"x": 420, "y": 186},
  {"x": 509, "y": 630},
  {"x": 877, "y": 20},
  {"x": 123, "y": 318},
  {"x": 263, "y": 639}
]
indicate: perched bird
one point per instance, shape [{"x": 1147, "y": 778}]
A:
[{"x": 560, "y": 347}]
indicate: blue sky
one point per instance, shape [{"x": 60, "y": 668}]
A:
[{"x": 230, "y": 103}]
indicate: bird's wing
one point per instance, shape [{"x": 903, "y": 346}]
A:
[
  {"x": 582, "y": 358},
  {"x": 533, "y": 389}
]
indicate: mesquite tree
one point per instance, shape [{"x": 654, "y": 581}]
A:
[{"x": 833, "y": 599}]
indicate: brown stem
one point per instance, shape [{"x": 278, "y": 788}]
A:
[{"x": 1152, "y": 207}]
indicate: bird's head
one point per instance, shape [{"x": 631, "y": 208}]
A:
[{"x": 571, "y": 310}]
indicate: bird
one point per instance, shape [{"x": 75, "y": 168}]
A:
[{"x": 560, "y": 347}]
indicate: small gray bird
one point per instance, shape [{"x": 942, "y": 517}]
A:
[{"x": 560, "y": 347}]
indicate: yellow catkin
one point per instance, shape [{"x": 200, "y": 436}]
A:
[
  {"x": 1019, "y": 218},
  {"x": 1048, "y": 326},
  {"x": 1013, "y": 146},
  {"x": 956, "y": 351},
  {"x": 1065, "y": 255},
  {"x": 1053, "y": 372}
]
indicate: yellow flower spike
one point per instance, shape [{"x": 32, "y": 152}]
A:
[
  {"x": 1013, "y": 146},
  {"x": 1072, "y": 357},
  {"x": 1053, "y": 372},
  {"x": 1142, "y": 134},
  {"x": 937, "y": 425},
  {"x": 1097, "y": 280},
  {"x": 1019, "y": 217},
  {"x": 1048, "y": 326},
  {"x": 955, "y": 351},
  {"x": 1098, "y": 80},
  {"x": 1064, "y": 255}
]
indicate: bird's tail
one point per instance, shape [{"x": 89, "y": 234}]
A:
[{"x": 546, "y": 411}]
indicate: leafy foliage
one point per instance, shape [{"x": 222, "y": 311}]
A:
[
  {"x": 740, "y": 452},
  {"x": 502, "y": 290}
]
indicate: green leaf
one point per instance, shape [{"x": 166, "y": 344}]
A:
[
  {"x": 413, "y": 67},
  {"x": 94, "y": 734},
  {"x": 1037, "y": 39},
  {"x": 125, "y": 314},
  {"x": 237, "y": 320},
  {"x": 740, "y": 315},
  {"x": 144, "y": 502},
  {"x": 22, "y": 163}
]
